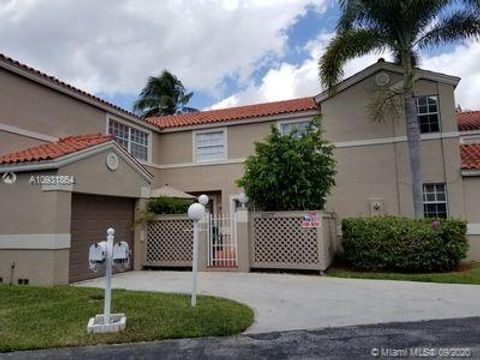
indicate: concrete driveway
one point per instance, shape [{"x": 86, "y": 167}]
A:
[{"x": 289, "y": 302}]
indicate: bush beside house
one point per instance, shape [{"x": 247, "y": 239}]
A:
[
  {"x": 168, "y": 205},
  {"x": 402, "y": 244},
  {"x": 290, "y": 172}
]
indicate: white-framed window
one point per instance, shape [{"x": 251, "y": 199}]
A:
[
  {"x": 435, "y": 200},
  {"x": 132, "y": 139},
  {"x": 210, "y": 145},
  {"x": 427, "y": 112},
  {"x": 287, "y": 127}
]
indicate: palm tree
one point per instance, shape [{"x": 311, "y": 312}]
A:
[
  {"x": 163, "y": 95},
  {"x": 403, "y": 28}
]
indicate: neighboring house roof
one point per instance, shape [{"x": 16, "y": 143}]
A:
[
  {"x": 51, "y": 81},
  {"x": 235, "y": 113},
  {"x": 468, "y": 120},
  {"x": 63, "y": 146},
  {"x": 470, "y": 156}
]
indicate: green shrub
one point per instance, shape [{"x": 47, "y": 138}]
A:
[
  {"x": 290, "y": 172},
  {"x": 402, "y": 244},
  {"x": 167, "y": 205}
]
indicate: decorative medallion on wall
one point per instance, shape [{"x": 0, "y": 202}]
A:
[
  {"x": 112, "y": 161},
  {"x": 382, "y": 79}
]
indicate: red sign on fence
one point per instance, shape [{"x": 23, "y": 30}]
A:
[{"x": 311, "y": 220}]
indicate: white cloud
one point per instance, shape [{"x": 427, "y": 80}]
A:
[
  {"x": 112, "y": 46},
  {"x": 287, "y": 81},
  {"x": 462, "y": 61}
]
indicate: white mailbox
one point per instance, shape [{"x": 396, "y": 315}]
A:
[
  {"x": 97, "y": 255},
  {"x": 121, "y": 253}
]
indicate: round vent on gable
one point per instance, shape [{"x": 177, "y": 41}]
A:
[
  {"x": 382, "y": 79},
  {"x": 112, "y": 161}
]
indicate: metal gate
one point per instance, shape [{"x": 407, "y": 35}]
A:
[{"x": 222, "y": 241}]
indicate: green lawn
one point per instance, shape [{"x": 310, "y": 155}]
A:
[
  {"x": 39, "y": 317},
  {"x": 466, "y": 274}
]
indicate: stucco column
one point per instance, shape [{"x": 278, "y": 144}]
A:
[
  {"x": 139, "y": 236},
  {"x": 242, "y": 240}
]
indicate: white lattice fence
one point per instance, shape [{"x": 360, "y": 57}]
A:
[
  {"x": 169, "y": 241},
  {"x": 278, "y": 240}
]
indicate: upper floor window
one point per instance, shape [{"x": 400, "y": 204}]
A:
[
  {"x": 210, "y": 145},
  {"x": 133, "y": 140},
  {"x": 301, "y": 127},
  {"x": 427, "y": 111},
  {"x": 434, "y": 200}
]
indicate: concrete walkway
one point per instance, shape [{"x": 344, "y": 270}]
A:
[{"x": 289, "y": 302}]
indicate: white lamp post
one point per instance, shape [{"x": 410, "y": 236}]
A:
[
  {"x": 104, "y": 255},
  {"x": 243, "y": 198},
  {"x": 195, "y": 213}
]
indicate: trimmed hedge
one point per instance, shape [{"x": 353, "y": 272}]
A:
[
  {"x": 402, "y": 244},
  {"x": 168, "y": 205}
]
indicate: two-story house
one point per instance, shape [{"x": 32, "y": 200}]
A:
[{"x": 204, "y": 152}]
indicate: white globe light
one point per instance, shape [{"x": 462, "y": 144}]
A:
[
  {"x": 196, "y": 211},
  {"x": 203, "y": 199},
  {"x": 243, "y": 198}
]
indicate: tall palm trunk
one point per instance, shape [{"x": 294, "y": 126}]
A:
[
  {"x": 413, "y": 138},
  {"x": 413, "y": 133}
]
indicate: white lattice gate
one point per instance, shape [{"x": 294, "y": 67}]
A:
[{"x": 222, "y": 241}]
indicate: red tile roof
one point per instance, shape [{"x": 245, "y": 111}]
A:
[
  {"x": 234, "y": 113},
  {"x": 470, "y": 155},
  {"x": 56, "y": 81},
  {"x": 55, "y": 150},
  {"x": 468, "y": 120}
]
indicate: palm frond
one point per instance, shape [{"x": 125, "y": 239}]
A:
[
  {"x": 343, "y": 47},
  {"x": 458, "y": 26},
  {"x": 162, "y": 95}
]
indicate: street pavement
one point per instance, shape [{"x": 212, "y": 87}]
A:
[{"x": 436, "y": 339}]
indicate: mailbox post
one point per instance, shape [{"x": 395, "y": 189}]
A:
[
  {"x": 106, "y": 254},
  {"x": 108, "y": 277}
]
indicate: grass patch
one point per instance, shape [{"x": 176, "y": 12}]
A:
[
  {"x": 464, "y": 274},
  {"x": 40, "y": 317}
]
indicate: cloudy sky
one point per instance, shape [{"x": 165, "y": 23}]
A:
[{"x": 228, "y": 52}]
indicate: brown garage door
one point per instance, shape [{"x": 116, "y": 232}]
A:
[{"x": 92, "y": 215}]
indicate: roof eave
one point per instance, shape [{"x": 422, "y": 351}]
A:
[
  {"x": 260, "y": 119},
  {"x": 470, "y": 172},
  {"x": 40, "y": 79},
  {"x": 77, "y": 156},
  {"x": 372, "y": 69}
]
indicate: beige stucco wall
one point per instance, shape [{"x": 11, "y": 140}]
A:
[
  {"x": 202, "y": 179},
  {"x": 10, "y": 142},
  {"x": 27, "y": 209},
  {"x": 382, "y": 170},
  {"x": 93, "y": 177},
  {"x": 177, "y": 147},
  {"x": 29, "y": 212},
  {"x": 32, "y": 106},
  {"x": 472, "y": 211},
  {"x": 40, "y": 267}
]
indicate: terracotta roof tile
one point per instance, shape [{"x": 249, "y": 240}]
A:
[
  {"x": 470, "y": 155},
  {"x": 234, "y": 113},
  {"x": 468, "y": 120},
  {"x": 63, "y": 146},
  {"x": 56, "y": 81}
]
